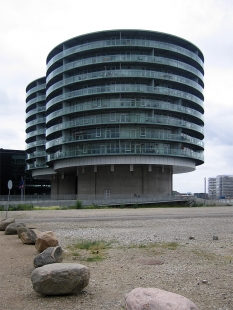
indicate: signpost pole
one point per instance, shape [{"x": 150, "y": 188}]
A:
[{"x": 9, "y": 184}]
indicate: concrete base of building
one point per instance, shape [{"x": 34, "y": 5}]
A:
[{"x": 112, "y": 180}]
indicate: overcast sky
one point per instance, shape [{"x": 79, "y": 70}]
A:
[{"x": 29, "y": 30}]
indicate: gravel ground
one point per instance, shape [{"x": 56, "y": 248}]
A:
[{"x": 142, "y": 253}]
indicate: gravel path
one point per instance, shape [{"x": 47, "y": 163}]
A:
[{"x": 200, "y": 269}]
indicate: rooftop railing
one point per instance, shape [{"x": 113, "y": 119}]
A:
[{"x": 125, "y": 42}]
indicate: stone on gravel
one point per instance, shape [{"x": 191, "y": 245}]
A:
[
  {"x": 49, "y": 256},
  {"x": 215, "y": 237},
  {"x": 156, "y": 299},
  {"x": 45, "y": 240},
  {"x": 60, "y": 279},
  {"x": 11, "y": 229},
  {"x": 5, "y": 223},
  {"x": 29, "y": 236}
]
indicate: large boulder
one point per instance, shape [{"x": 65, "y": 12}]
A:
[
  {"x": 45, "y": 240},
  {"x": 156, "y": 299},
  {"x": 5, "y": 223},
  {"x": 11, "y": 229},
  {"x": 29, "y": 236},
  {"x": 60, "y": 279},
  {"x": 49, "y": 256}
]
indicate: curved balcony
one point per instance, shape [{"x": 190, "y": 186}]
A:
[
  {"x": 125, "y": 58},
  {"x": 135, "y": 151},
  {"x": 103, "y": 120},
  {"x": 123, "y": 43},
  {"x": 35, "y": 89},
  {"x": 35, "y": 133},
  {"x": 36, "y": 122},
  {"x": 126, "y": 135},
  {"x": 35, "y": 111},
  {"x": 35, "y": 100},
  {"x": 36, "y": 155},
  {"x": 36, "y": 166},
  {"x": 35, "y": 143},
  {"x": 125, "y": 88},
  {"x": 125, "y": 73},
  {"x": 125, "y": 103}
]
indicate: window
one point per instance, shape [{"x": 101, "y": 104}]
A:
[
  {"x": 113, "y": 116},
  {"x": 107, "y": 194},
  {"x": 143, "y": 131},
  {"x": 98, "y": 132}
]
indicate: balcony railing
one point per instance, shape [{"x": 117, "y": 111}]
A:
[
  {"x": 35, "y": 143},
  {"x": 105, "y": 151},
  {"x": 124, "y": 73},
  {"x": 36, "y": 154},
  {"x": 103, "y": 120},
  {"x": 125, "y": 58},
  {"x": 35, "y": 89},
  {"x": 124, "y": 103},
  {"x": 125, "y": 42},
  {"x": 34, "y": 100},
  {"x": 82, "y": 136},
  {"x": 35, "y": 111},
  {"x": 35, "y": 122},
  {"x": 35, "y": 133},
  {"x": 125, "y": 88}
]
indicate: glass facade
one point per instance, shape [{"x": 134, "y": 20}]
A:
[{"x": 118, "y": 97}]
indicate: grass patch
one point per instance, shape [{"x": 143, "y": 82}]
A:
[
  {"x": 204, "y": 255},
  {"x": 90, "y": 251},
  {"x": 21, "y": 207},
  {"x": 165, "y": 246},
  {"x": 47, "y": 208}
]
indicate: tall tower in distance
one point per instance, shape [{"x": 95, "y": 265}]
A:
[{"x": 118, "y": 113}]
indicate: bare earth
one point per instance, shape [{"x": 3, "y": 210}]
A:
[{"x": 142, "y": 253}]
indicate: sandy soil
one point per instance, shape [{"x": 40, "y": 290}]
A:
[{"x": 200, "y": 269}]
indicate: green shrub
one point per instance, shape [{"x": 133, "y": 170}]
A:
[
  {"x": 21, "y": 207},
  {"x": 79, "y": 204}
]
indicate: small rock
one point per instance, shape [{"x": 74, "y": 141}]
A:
[
  {"x": 49, "y": 256},
  {"x": 204, "y": 281},
  {"x": 60, "y": 279},
  {"x": 215, "y": 237},
  {"x": 154, "y": 299},
  {"x": 45, "y": 240},
  {"x": 5, "y": 223},
  {"x": 191, "y": 238},
  {"x": 11, "y": 229}
]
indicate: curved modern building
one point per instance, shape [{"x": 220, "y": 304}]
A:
[{"x": 124, "y": 112}]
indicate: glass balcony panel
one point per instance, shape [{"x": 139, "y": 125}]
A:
[
  {"x": 124, "y": 89},
  {"x": 122, "y": 58},
  {"x": 129, "y": 73},
  {"x": 124, "y": 42}
]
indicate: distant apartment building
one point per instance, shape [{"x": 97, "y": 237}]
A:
[
  {"x": 224, "y": 186},
  {"x": 221, "y": 187},
  {"x": 212, "y": 188}
]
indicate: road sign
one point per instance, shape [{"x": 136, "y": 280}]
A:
[{"x": 9, "y": 184}]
